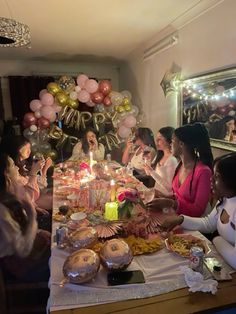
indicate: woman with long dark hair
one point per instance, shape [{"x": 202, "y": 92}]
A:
[
  {"x": 166, "y": 163},
  {"x": 89, "y": 143},
  {"x": 18, "y": 228},
  {"x": 145, "y": 148},
  {"x": 223, "y": 216},
  {"x": 191, "y": 182}
]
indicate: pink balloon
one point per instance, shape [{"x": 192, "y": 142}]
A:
[
  {"x": 35, "y": 105},
  {"x": 48, "y": 112},
  {"x": 91, "y": 86},
  {"x": 107, "y": 101},
  {"x": 83, "y": 96},
  {"x": 47, "y": 99},
  {"x": 42, "y": 92},
  {"x": 43, "y": 123},
  {"x": 105, "y": 87},
  {"x": 129, "y": 121},
  {"x": 38, "y": 114},
  {"x": 123, "y": 132},
  {"x": 57, "y": 108},
  {"x": 29, "y": 119},
  {"x": 90, "y": 104},
  {"x": 81, "y": 79},
  {"x": 77, "y": 89}
]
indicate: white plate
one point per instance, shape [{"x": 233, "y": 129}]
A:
[{"x": 78, "y": 216}]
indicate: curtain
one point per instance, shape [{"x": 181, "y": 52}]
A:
[
  {"x": 1, "y": 102},
  {"x": 23, "y": 89}
]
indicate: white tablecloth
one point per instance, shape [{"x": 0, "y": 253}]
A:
[{"x": 161, "y": 271}]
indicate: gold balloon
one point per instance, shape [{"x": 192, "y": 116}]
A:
[
  {"x": 52, "y": 154},
  {"x": 61, "y": 99},
  {"x": 73, "y": 103},
  {"x": 125, "y": 102},
  {"x": 120, "y": 109},
  {"x": 98, "y": 118},
  {"x": 53, "y": 88},
  {"x": 127, "y": 107},
  {"x": 116, "y": 108}
]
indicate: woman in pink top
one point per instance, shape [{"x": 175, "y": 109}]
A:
[{"x": 191, "y": 183}]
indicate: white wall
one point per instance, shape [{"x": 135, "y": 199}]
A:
[
  {"x": 21, "y": 67},
  {"x": 207, "y": 43}
]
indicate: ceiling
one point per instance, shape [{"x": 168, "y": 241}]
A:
[{"x": 73, "y": 30}]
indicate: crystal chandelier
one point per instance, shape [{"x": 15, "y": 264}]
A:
[{"x": 13, "y": 33}]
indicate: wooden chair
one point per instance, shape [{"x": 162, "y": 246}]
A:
[{"x": 23, "y": 298}]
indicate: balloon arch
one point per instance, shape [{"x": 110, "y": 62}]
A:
[{"x": 59, "y": 105}]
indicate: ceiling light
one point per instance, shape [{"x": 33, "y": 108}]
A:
[{"x": 13, "y": 33}]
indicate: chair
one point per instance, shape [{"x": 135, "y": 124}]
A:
[{"x": 23, "y": 298}]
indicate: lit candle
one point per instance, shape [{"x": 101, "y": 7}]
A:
[
  {"x": 113, "y": 191},
  {"x": 111, "y": 211}
]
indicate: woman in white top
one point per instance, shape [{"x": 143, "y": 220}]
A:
[
  {"x": 166, "y": 163},
  {"x": 145, "y": 149},
  {"x": 223, "y": 216},
  {"x": 88, "y": 144}
]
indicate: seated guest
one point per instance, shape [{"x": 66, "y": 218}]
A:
[
  {"x": 166, "y": 163},
  {"x": 33, "y": 175},
  {"x": 24, "y": 250},
  {"x": 89, "y": 143},
  {"x": 138, "y": 149},
  {"x": 191, "y": 182},
  {"x": 223, "y": 216}
]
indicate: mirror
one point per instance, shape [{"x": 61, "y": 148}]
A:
[{"x": 211, "y": 99}]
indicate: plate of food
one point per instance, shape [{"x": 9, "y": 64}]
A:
[{"x": 182, "y": 243}]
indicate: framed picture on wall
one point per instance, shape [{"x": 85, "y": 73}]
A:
[{"x": 211, "y": 99}]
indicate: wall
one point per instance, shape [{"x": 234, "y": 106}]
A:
[
  {"x": 21, "y": 67},
  {"x": 207, "y": 43}
]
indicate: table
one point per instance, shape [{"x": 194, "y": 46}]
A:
[{"x": 163, "y": 278}]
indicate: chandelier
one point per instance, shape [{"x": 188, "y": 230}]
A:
[{"x": 13, "y": 33}]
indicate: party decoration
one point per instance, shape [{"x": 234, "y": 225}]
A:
[
  {"x": 53, "y": 88},
  {"x": 97, "y": 97},
  {"x": 81, "y": 266},
  {"x": 52, "y": 154},
  {"x": 169, "y": 80},
  {"x": 33, "y": 128},
  {"x": 124, "y": 132},
  {"x": 43, "y": 123},
  {"x": 104, "y": 87},
  {"x": 57, "y": 134},
  {"x": 61, "y": 99},
  {"x": 126, "y": 94},
  {"x": 73, "y": 103},
  {"x": 116, "y": 255},
  {"x": 35, "y": 105},
  {"x": 81, "y": 79},
  {"x": 41, "y": 93},
  {"x": 84, "y": 237},
  {"x": 91, "y": 86},
  {"x": 29, "y": 119},
  {"x": 47, "y": 99},
  {"x": 107, "y": 101},
  {"x": 110, "y": 140},
  {"x": 83, "y": 96},
  {"x": 98, "y": 118},
  {"x": 67, "y": 83}
]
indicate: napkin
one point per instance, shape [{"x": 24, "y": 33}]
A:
[{"x": 196, "y": 282}]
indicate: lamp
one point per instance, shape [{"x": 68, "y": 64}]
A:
[
  {"x": 161, "y": 45},
  {"x": 13, "y": 33}
]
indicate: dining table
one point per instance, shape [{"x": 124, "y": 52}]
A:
[{"x": 164, "y": 291}]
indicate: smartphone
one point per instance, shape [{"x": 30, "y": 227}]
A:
[
  {"x": 125, "y": 277},
  {"x": 216, "y": 269}
]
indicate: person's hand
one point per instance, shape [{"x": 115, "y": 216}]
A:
[
  {"x": 47, "y": 164},
  {"x": 37, "y": 166},
  {"x": 28, "y": 206},
  {"x": 93, "y": 144},
  {"x": 159, "y": 203},
  {"x": 147, "y": 168},
  {"x": 129, "y": 143},
  {"x": 171, "y": 222},
  {"x": 42, "y": 211}
]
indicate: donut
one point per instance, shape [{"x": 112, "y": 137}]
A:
[
  {"x": 115, "y": 254},
  {"x": 81, "y": 266},
  {"x": 84, "y": 237}
]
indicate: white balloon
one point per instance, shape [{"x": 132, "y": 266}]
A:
[
  {"x": 135, "y": 110},
  {"x": 231, "y": 113},
  {"x": 33, "y": 128},
  {"x": 73, "y": 95},
  {"x": 126, "y": 94}
]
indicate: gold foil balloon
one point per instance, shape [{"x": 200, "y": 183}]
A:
[
  {"x": 52, "y": 154},
  {"x": 61, "y": 99},
  {"x": 67, "y": 83},
  {"x": 81, "y": 266},
  {"x": 116, "y": 255},
  {"x": 98, "y": 118},
  {"x": 74, "y": 104},
  {"x": 53, "y": 88}
]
